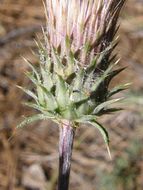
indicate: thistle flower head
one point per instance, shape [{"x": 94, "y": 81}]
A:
[
  {"x": 76, "y": 65},
  {"x": 87, "y": 27}
]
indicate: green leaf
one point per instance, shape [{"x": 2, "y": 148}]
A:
[
  {"x": 115, "y": 73},
  {"x": 33, "y": 118},
  {"x": 49, "y": 99},
  {"x": 109, "y": 111},
  {"x": 68, "y": 42},
  {"x": 83, "y": 109},
  {"x": 33, "y": 69},
  {"x": 62, "y": 93},
  {"x": 103, "y": 132},
  {"x": 92, "y": 121},
  {"x": 35, "y": 106},
  {"x": 104, "y": 75},
  {"x": 69, "y": 113},
  {"x": 79, "y": 97},
  {"x": 85, "y": 118},
  {"x": 105, "y": 104},
  {"x": 42, "y": 109},
  {"x": 47, "y": 78},
  {"x": 47, "y": 85},
  {"x": 32, "y": 78},
  {"x": 71, "y": 58},
  {"x": 29, "y": 92},
  {"x": 38, "y": 88},
  {"x": 40, "y": 95},
  {"x": 87, "y": 47},
  {"x": 78, "y": 81},
  {"x": 118, "y": 89},
  {"x": 32, "y": 105},
  {"x": 91, "y": 66},
  {"x": 70, "y": 64},
  {"x": 59, "y": 68},
  {"x": 44, "y": 53}
]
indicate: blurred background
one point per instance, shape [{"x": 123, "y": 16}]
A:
[{"x": 29, "y": 156}]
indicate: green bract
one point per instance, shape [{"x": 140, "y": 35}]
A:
[
  {"x": 71, "y": 94},
  {"x": 76, "y": 66}
]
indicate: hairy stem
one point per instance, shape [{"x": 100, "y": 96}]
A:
[{"x": 65, "y": 152}]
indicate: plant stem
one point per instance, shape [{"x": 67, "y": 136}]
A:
[{"x": 65, "y": 152}]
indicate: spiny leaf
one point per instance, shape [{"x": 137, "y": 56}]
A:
[
  {"x": 38, "y": 88},
  {"x": 80, "y": 99},
  {"x": 91, "y": 66},
  {"x": 105, "y": 105},
  {"x": 115, "y": 73},
  {"x": 35, "y": 106},
  {"x": 103, "y": 132},
  {"x": 69, "y": 112},
  {"x": 85, "y": 118},
  {"x": 83, "y": 109},
  {"x": 47, "y": 78},
  {"x": 33, "y": 118},
  {"x": 32, "y": 78},
  {"x": 105, "y": 74},
  {"x": 43, "y": 52},
  {"x": 42, "y": 109},
  {"x": 117, "y": 89},
  {"x": 101, "y": 56},
  {"x": 49, "y": 99},
  {"x": 87, "y": 47},
  {"x": 33, "y": 68},
  {"x": 70, "y": 67},
  {"x": 40, "y": 95},
  {"x": 71, "y": 58},
  {"x": 90, "y": 119},
  {"x": 62, "y": 93},
  {"x": 78, "y": 81},
  {"x": 40, "y": 46},
  {"x": 58, "y": 66},
  {"x": 29, "y": 92},
  {"x": 108, "y": 111}
]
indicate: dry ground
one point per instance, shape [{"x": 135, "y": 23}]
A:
[{"x": 28, "y": 157}]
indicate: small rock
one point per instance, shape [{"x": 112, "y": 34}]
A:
[
  {"x": 33, "y": 178},
  {"x": 2, "y": 30}
]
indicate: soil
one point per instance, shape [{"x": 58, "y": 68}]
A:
[{"x": 29, "y": 156}]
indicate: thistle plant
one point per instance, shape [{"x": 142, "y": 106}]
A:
[{"x": 76, "y": 66}]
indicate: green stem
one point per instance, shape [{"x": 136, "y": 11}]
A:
[{"x": 66, "y": 138}]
